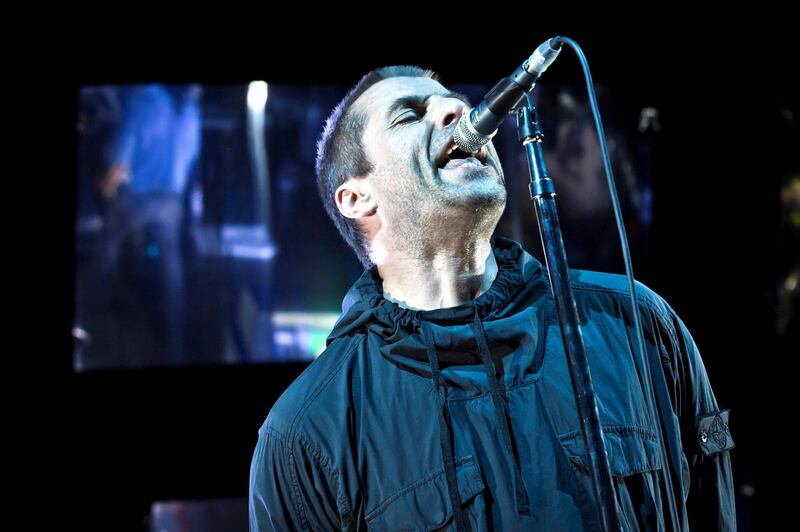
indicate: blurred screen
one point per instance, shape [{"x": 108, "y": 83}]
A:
[
  {"x": 201, "y": 239},
  {"x": 199, "y": 516}
]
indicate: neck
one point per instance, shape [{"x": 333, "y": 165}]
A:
[{"x": 436, "y": 275}]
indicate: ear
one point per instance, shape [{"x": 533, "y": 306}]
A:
[{"x": 355, "y": 199}]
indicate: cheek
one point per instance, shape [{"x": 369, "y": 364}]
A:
[
  {"x": 404, "y": 166},
  {"x": 404, "y": 169},
  {"x": 402, "y": 184}
]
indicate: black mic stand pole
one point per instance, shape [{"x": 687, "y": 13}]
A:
[{"x": 543, "y": 198}]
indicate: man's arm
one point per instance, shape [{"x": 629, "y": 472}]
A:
[
  {"x": 290, "y": 486},
  {"x": 705, "y": 436}
]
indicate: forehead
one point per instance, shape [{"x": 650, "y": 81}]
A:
[{"x": 378, "y": 98}]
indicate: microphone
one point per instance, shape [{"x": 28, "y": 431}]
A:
[{"x": 480, "y": 124}]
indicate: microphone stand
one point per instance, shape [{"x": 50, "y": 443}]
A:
[{"x": 543, "y": 198}]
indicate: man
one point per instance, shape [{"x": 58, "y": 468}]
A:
[
  {"x": 152, "y": 156},
  {"x": 444, "y": 384}
]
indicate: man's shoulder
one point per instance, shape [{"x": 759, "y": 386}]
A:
[
  {"x": 315, "y": 394},
  {"x": 589, "y": 284}
]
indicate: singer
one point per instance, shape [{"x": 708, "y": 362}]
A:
[{"x": 443, "y": 399}]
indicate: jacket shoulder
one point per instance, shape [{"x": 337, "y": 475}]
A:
[
  {"x": 319, "y": 384},
  {"x": 585, "y": 283}
]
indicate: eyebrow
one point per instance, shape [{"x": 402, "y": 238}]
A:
[{"x": 419, "y": 100}]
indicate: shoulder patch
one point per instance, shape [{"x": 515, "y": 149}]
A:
[{"x": 713, "y": 434}]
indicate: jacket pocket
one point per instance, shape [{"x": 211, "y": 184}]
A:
[
  {"x": 425, "y": 504},
  {"x": 634, "y": 457},
  {"x": 631, "y": 449}
]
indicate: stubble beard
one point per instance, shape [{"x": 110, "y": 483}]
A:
[{"x": 427, "y": 217}]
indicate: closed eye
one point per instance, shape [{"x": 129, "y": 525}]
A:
[
  {"x": 408, "y": 116},
  {"x": 410, "y": 105}
]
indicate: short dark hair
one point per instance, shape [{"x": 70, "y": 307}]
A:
[{"x": 341, "y": 155}]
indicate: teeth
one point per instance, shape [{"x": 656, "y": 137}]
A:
[{"x": 454, "y": 147}]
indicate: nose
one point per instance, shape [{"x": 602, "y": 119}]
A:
[{"x": 446, "y": 111}]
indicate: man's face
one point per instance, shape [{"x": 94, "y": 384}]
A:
[{"x": 416, "y": 175}]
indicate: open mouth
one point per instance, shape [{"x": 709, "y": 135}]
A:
[{"x": 451, "y": 156}]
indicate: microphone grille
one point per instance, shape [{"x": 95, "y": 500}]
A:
[{"x": 467, "y": 138}]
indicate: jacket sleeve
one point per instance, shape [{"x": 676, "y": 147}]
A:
[
  {"x": 290, "y": 486},
  {"x": 706, "y": 438}
]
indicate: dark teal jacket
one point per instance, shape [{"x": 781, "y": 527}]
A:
[{"x": 409, "y": 414}]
